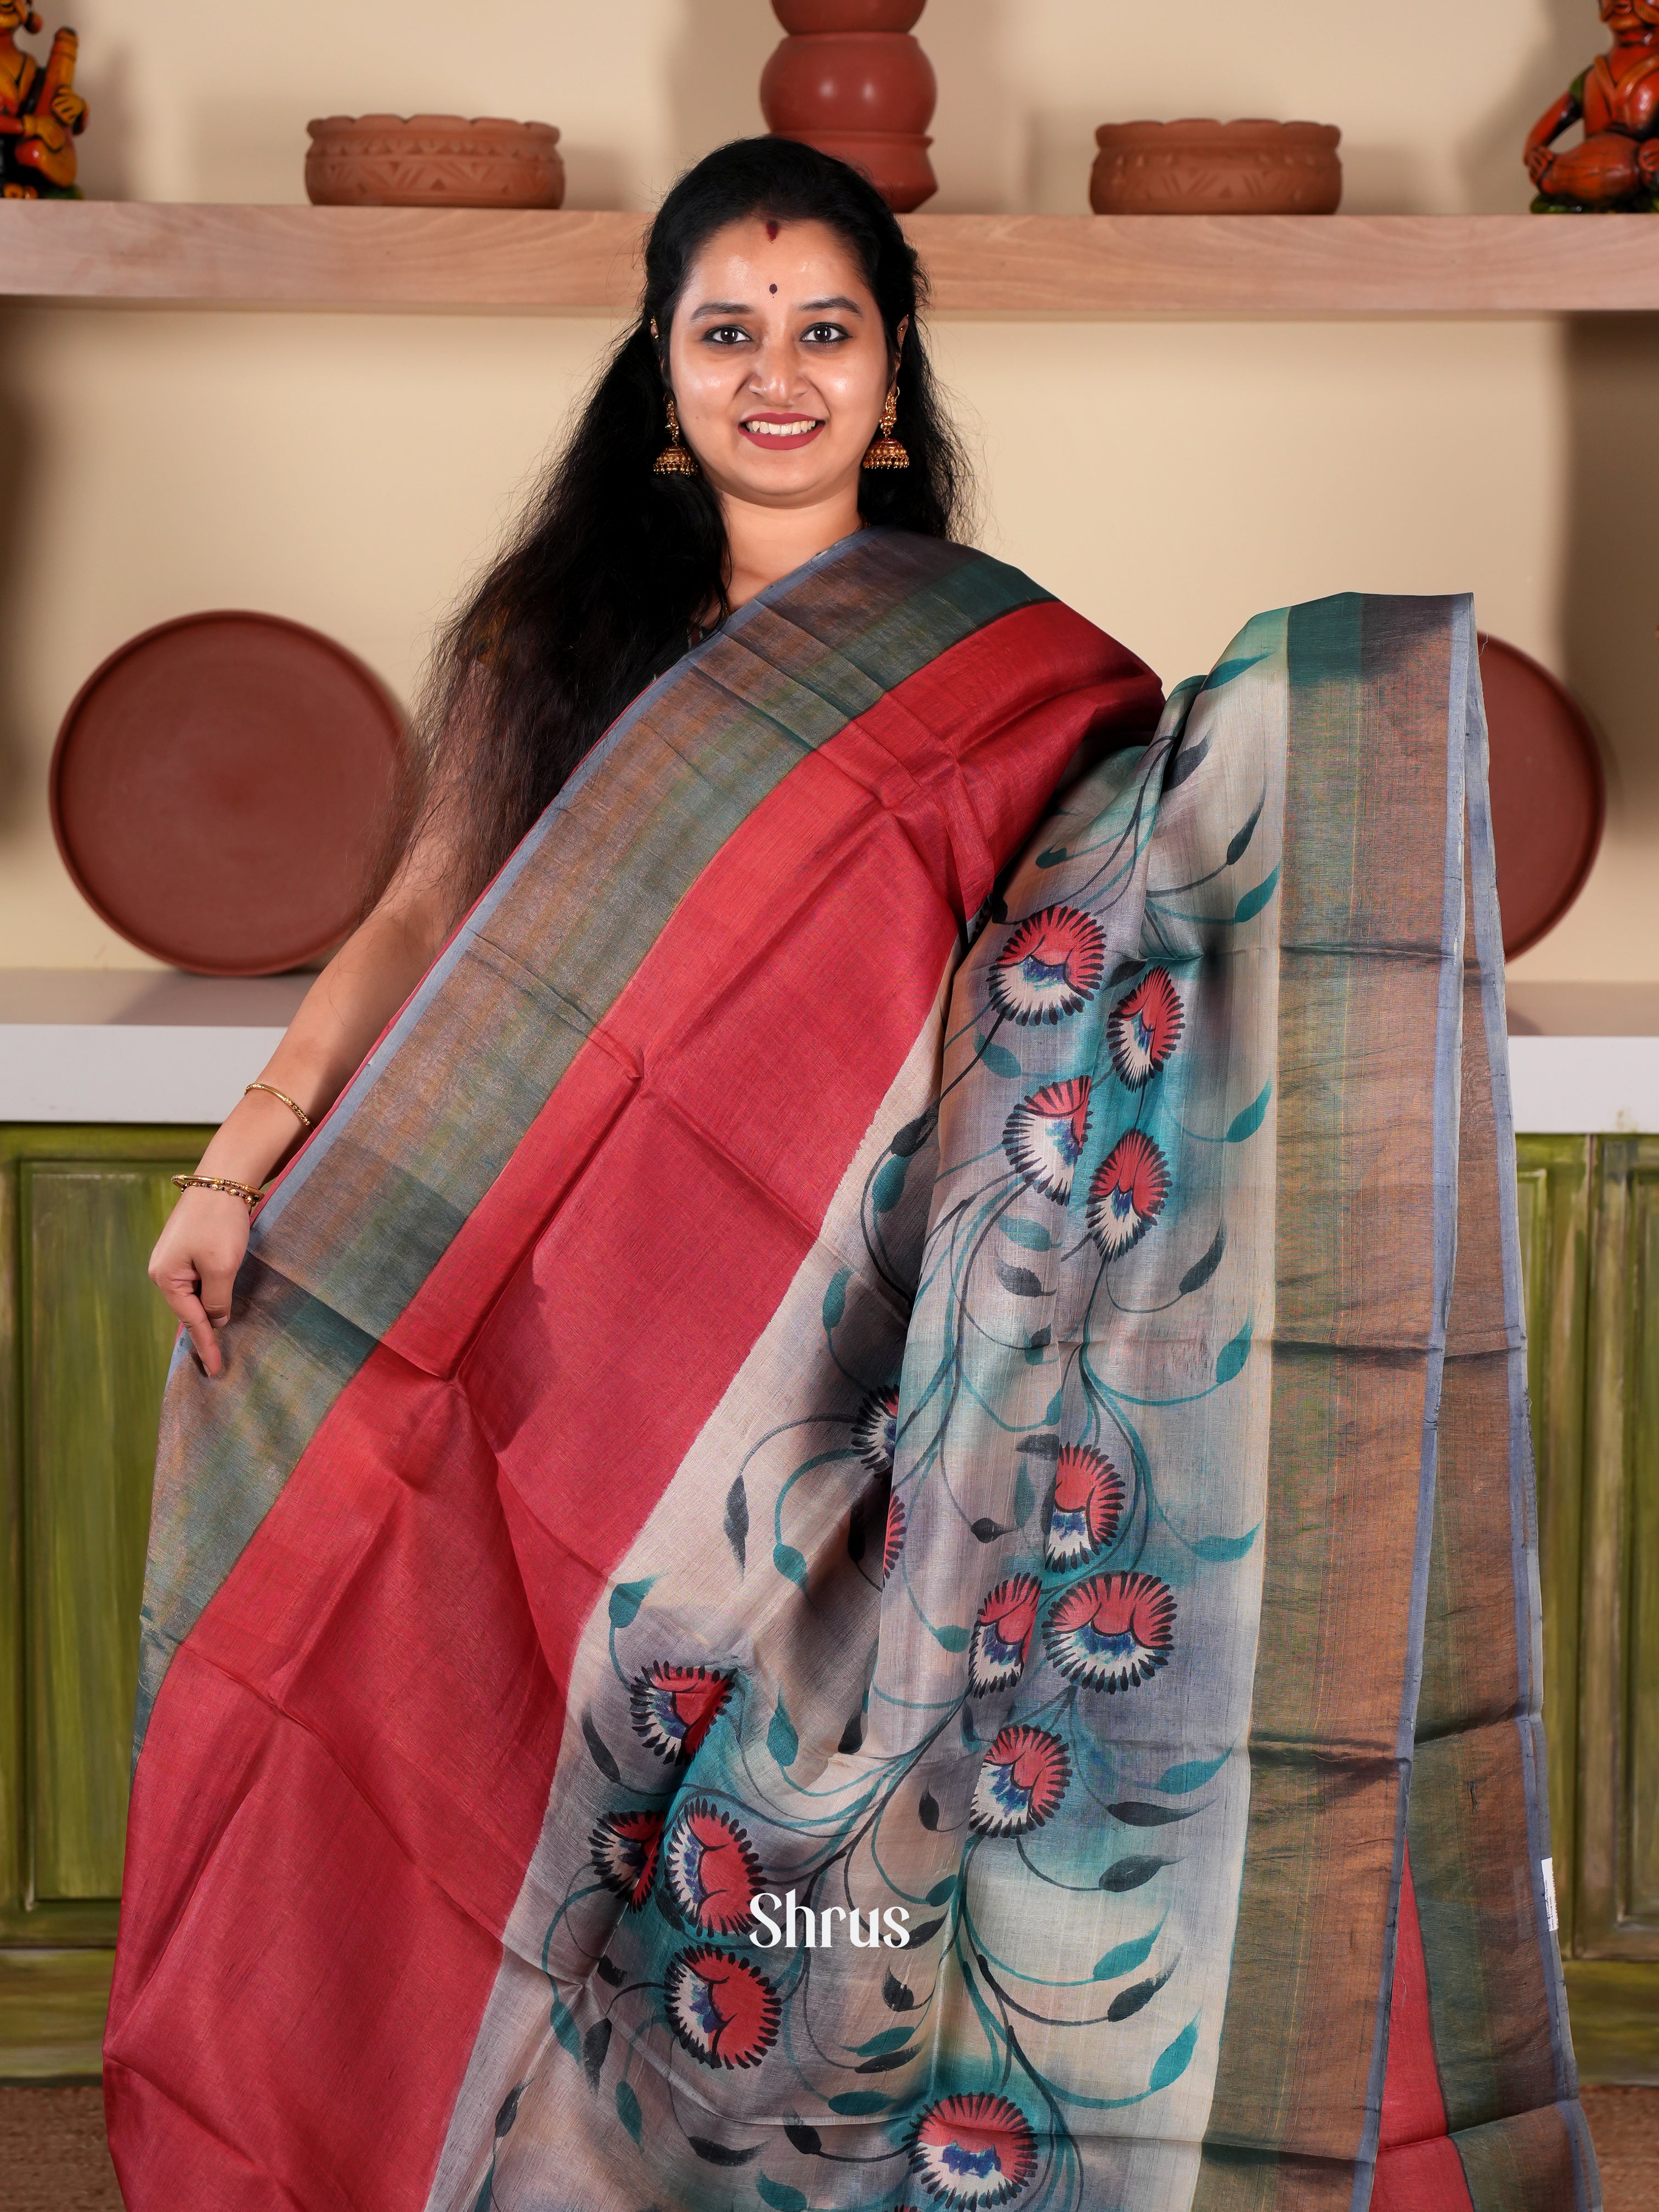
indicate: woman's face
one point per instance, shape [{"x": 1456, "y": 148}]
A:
[{"x": 779, "y": 362}]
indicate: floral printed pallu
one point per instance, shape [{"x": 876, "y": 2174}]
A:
[{"x": 868, "y": 1539}]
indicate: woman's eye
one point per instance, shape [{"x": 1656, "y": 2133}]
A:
[
  {"x": 726, "y": 334},
  {"x": 824, "y": 333}
]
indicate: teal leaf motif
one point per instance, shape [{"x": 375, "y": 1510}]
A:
[
  {"x": 1124, "y": 1958},
  {"x": 835, "y": 1298},
  {"x": 1053, "y": 1413},
  {"x": 1247, "y": 1123},
  {"x": 1241, "y": 838},
  {"x": 788, "y": 1561},
  {"x": 1220, "y": 1548},
  {"x": 1031, "y": 1234},
  {"x": 566, "y": 2029},
  {"x": 781, "y": 1738},
  {"x": 1253, "y": 901},
  {"x": 1175, "y": 2058},
  {"x": 952, "y": 1638},
  {"x": 626, "y": 1600},
  {"x": 1189, "y": 758},
  {"x": 1226, "y": 670},
  {"x": 942, "y": 1891},
  {"x": 890, "y": 2039},
  {"x": 781, "y": 2195},
  {"x": 1229, "y": 1361},
  {"x": 1201, "y": 1270},
  {"x": 889, "y": 1187},
  {"x": 1024, "y": 1498},
  {"x": 1130, "y": 1872},
  {"x": 858, "y": 2103},
  {"x": 627, "y": 2112},
  {"x": 1051, "y": 856},
  {"x": 997, "y": 1058},
  {"x": 1191, "y": 1774}
]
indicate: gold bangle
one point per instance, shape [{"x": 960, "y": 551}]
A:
[
  {"x": 292, "y": 1104},
  {"x": 245, "y": 1192}
]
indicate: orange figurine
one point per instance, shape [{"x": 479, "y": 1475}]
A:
[
  {"x": 1617, "y": 98},
  {"x": 41, "y": 114}
]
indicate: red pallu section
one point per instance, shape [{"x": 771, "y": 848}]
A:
[
  {"x": 1418, "y": 2168},
  {"x": 350, "y": 1760}
]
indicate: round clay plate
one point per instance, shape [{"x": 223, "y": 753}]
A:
[
  {"x": 215, "y": 788},
  {"x": 1547, "y": 796}
]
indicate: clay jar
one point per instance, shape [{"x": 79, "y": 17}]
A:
[
  {"x": 433, "y": 161},
  {"x": 1247, "y": 167},
  {"x": 850, "y": 81}
]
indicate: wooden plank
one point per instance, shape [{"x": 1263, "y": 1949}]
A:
[
  {"x": 52, "y": 2008},
  {"x": 467, "y": 259},
  {"x": 1552, "y": 1185},
  {"x": 1614, "y": 2010}
]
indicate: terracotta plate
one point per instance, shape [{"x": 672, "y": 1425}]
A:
[
  {"x": 215, "y": 790},
  {"x": 1547, "y": 796}
]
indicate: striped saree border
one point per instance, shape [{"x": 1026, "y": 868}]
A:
[
  {"x": 1363, "y": 1256},
  {"x": 428, "y": 1122}
]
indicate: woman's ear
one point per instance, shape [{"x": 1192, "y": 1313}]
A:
[{"x": 902, "y": 333}]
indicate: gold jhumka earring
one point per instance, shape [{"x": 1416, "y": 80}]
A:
[
  {"x": 673, "y": 460},
  {"x": 885, "y": 451}
]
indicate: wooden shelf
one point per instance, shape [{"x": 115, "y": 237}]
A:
[{"x": 467, "y": 260}]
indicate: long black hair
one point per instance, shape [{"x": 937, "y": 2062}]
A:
[{"x": 613, "y": 565}]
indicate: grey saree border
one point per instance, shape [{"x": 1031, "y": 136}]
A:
[
  {"x": 1447, "y": 1113},
  {"x": 1523, "y": 1507}
]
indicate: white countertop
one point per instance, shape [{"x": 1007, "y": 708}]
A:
[{"x": 137, "y": 1045}]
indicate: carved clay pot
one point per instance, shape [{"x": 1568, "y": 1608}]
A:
[
  {"x": 801, "y": 17},
  {"x": 1248, "y": 168},
  {"x": 433, "y": 161},
  {"x": 860, "y": 88}
]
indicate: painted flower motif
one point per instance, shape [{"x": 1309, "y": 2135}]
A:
[
  {"x": 1002, "y": 1636},
  {"x": 1050, "y": 966},
  {"x": 711, "y": 1869},
  {"x": 875, "y": 1431},
  {"x": 625, "y": 1846},
  {"x": 1043, "y": 1138},
  {"x": 973, "y": 2151},
  {"x": 1113, "y": 1631},
  {"x": 1128, "y": 1192},
  {"x": 673, "y": 1707},
  {"x": 895, "y": 1541},
  {"x": 723, "y": 2010},
  {"x": 1088, "y": 1506},
  {"x": 1143, "y": 1030},
  {"x": 1024, "y": 1775}
]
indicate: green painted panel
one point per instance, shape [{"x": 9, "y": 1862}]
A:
[
  {"x": 52, "y": 2005},
  {"x": 97, "y": 1340},
  {"x": 1553, "y": 1188},
  {"x": 1618, "y": 1902}
]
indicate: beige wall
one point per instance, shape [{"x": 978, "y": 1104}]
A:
[{"x": 1167, "y": 478}]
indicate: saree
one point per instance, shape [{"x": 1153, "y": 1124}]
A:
[{"x": 868, "y": 1537}]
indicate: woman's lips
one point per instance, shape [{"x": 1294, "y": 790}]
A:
[{"x": 781, "y": 434}]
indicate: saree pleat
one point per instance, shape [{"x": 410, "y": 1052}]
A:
[{"x": 913, "y": 1342}]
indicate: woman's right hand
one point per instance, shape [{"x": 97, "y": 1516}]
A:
[{"x": 195, "y": 1261}]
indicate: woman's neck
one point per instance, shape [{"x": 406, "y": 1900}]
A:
[{"x": 766, "y": 542}]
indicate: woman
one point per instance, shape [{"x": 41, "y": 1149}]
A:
[{"x": 808, "y": 1566}]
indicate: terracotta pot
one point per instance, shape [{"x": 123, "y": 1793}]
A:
[
  {"x": 873, "y": 80},
  {"x": 1247, "y": 167},
  {"x": 433, "y": 161},
  {"x": 801, "y": 17},
  {"x": 896, "y": 164}
]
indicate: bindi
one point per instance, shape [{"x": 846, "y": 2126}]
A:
[
  {"x": 772, "y": 287},
  {"x": 772, "y": 232}
]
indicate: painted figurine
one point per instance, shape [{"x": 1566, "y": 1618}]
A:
[
  {"x": 1617, "y": 98},
  {"x": 41, "y": 114}
]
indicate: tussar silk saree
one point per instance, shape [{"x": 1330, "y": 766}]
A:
[{"x": 868, "y": 1539}]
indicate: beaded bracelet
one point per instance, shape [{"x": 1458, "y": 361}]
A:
[
  {"x": 292, "y": 1104},
  {"x": 249, "y": 1196}
]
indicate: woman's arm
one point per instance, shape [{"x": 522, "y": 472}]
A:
[{"x": 197, "y": 1254}]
